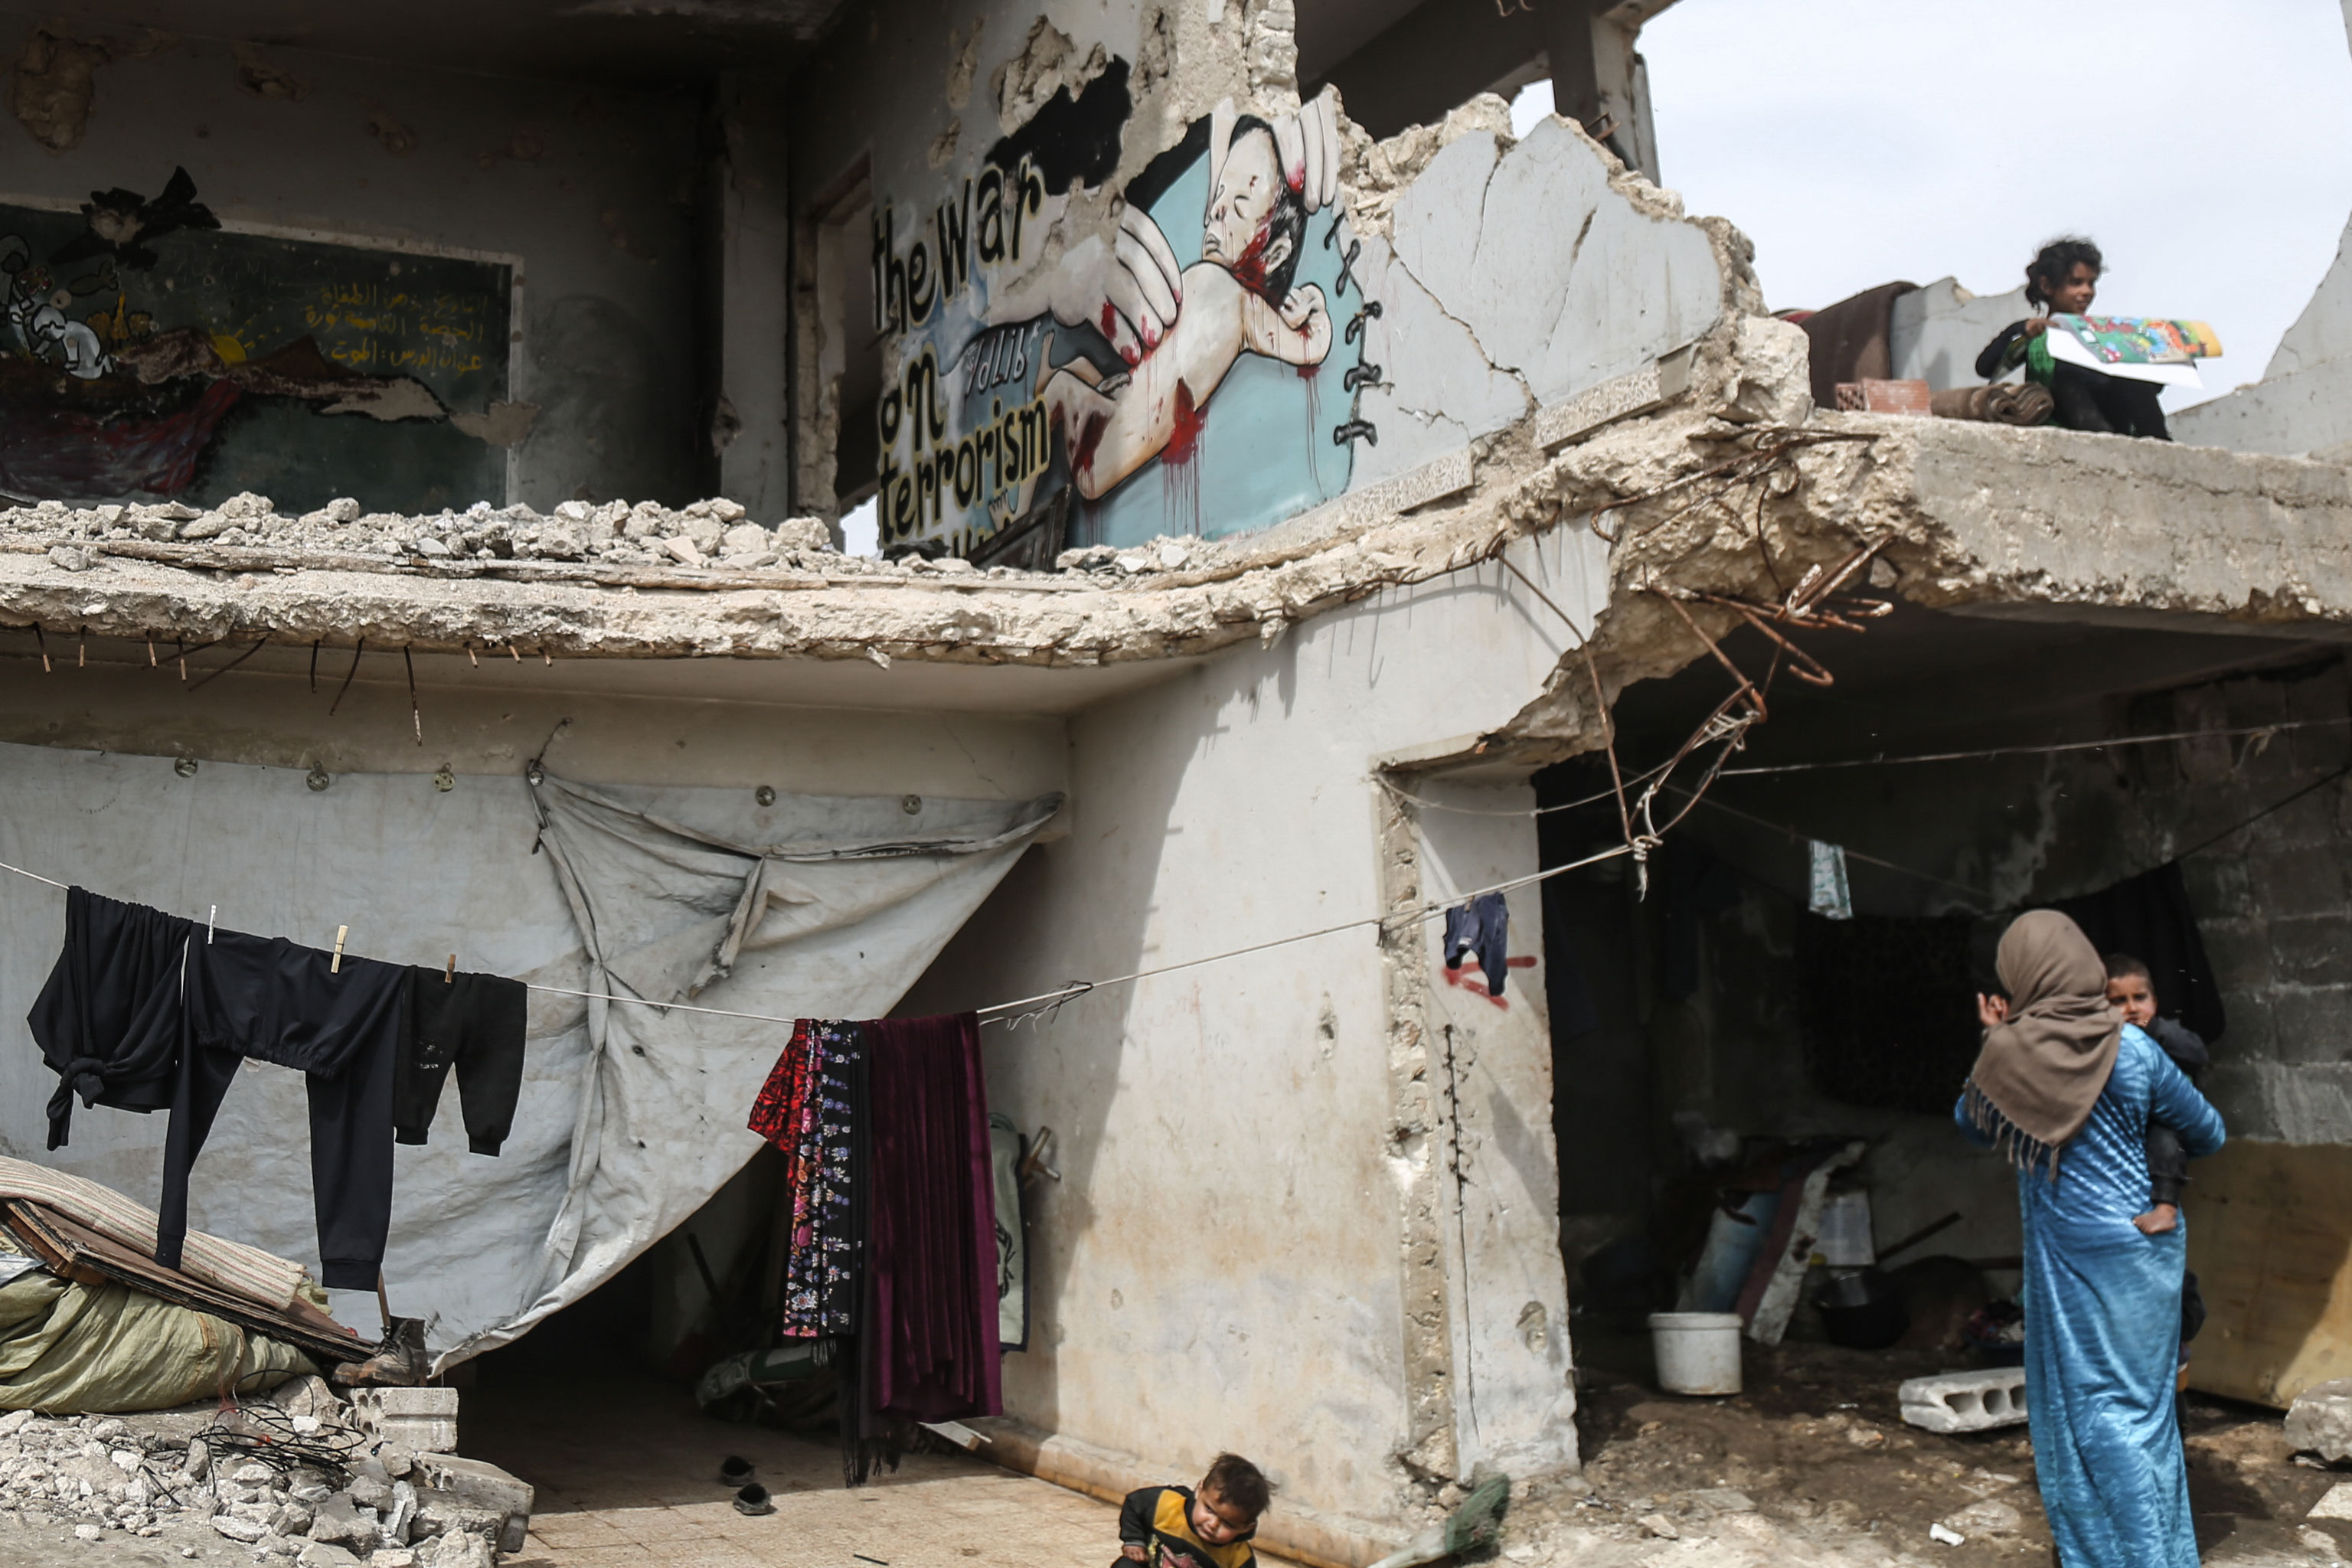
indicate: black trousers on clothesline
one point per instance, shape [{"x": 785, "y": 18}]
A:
[{"x": 343, "y": 1029}]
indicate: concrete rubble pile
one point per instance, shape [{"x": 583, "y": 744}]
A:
[
  {"x": 705, "y": 534},
  {"x": 391, "y": 1500}
]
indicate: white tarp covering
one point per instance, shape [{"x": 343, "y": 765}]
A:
[{"x": 631, "y": 1116}]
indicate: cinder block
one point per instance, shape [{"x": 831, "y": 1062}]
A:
[
  {"x": 424, "y": 1419},
  {"x": 1965, "y": 1401},
  {"x": 2314, "y": 950},
  {"x": 2310, "y": 1021},
  {"x": 2287, "y": 882},
  {"x": 2239, "y": 951},
  {"x": 473, "y": 1484}
]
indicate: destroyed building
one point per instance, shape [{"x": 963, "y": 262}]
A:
[{"x": 1307, "y": 505}]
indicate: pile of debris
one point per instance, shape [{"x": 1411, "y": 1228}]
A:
[
  {"x": 303, "y": 1476},
  {"x": 707, "y": 533}
]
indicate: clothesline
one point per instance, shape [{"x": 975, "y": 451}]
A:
[
  {"x": 2050, "y": 748},
  {"x": 1051, "y": 999}
]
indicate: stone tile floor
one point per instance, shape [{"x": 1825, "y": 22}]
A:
[{"x": 626, "y": 1474}]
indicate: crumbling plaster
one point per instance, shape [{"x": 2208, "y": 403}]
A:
[{"x": 1374, "y": 1278}]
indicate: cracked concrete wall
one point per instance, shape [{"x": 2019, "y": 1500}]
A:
[
  {"x": 583, "y": 185},
  {"x": 1258, "y": 1240},
  {"x": 488, "y": 719},
  {"x": 749, "y": 431},
  {"x": 1516, "y": 275}
]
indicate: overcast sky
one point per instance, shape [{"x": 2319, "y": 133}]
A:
[{"x": 2205, "y": 144}]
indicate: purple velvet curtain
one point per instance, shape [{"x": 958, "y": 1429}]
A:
[{"x": 929, "y": 1340}]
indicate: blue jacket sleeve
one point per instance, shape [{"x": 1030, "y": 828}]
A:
[
  {"x": 1969, "y": 1130},
  {"x": 2174, "y": 1101}
]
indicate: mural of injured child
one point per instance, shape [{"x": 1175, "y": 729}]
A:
[
  {"x": 145, "y": 351},
  {"x": 1197, "y": 345}
]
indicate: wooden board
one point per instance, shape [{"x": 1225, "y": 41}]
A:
[
  {"x": 2270, "y": 1237},
  {"x": 84, "y": 1256}
]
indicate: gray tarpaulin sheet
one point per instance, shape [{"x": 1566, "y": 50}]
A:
[{"x": 631, "y": 1116}]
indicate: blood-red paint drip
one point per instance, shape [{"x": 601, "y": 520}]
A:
[
  {"x": 1082, "y": 460},
  {"x": 1184, "y": 432},
  {"x": 1180, "y": 474}
]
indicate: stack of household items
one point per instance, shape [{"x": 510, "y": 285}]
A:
[
  {"x": 248, "y": 1442},
  {"x": 109, "y": 1310}
]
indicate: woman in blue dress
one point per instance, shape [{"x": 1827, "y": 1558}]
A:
[{"x": 2066, "y": 1089}]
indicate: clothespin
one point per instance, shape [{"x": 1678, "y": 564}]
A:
[
  {"x": 451, "y": 977},
  {"x": 210, "y": 920},
  {"x": 337, "y": 967}
]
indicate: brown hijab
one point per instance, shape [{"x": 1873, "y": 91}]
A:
[{"x": 2039, "y": 1073}]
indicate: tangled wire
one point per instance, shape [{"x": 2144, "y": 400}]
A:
[{"x": 268, "y": 1435}]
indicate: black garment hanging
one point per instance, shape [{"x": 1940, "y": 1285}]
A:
[
  {"x": 108, "y": 1020},
  {"x": 1482, "y": 926},
  {"x": 476, "y": 1024},
  {"x": 274, "y": 1001}
]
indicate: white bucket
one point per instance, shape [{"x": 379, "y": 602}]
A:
[{"x": 1698, "y": 1352}]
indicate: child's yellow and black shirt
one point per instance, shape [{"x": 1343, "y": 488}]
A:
[{"x": 1161, "y": 1519}]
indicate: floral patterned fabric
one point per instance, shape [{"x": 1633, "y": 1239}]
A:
[{"x": 817, "y": 1088}]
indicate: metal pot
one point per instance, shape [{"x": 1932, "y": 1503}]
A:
[{"x": 1862, "y": 1309}]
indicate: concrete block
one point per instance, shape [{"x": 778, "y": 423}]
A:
[
  {"x": 1965, "y": 1401},
  {"x": 450, "y": 1480},
  {"x": 2320, "y": 1421},
  {"x": 421, "y": 1419},
  {"x": 2314, "y": 950},
  {"x": 2297, "y": 881},
  {"x": 2312, "y": 1021},
  {"x": 2240, "y": 952}
]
